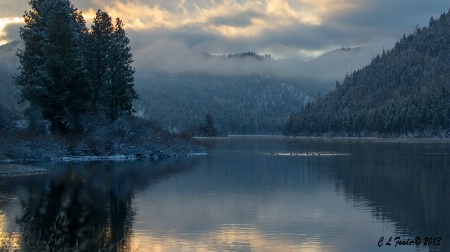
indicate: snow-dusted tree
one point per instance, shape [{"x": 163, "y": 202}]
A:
[
  {"x": 120, "y": 87},
  {"x": 53, "y": 74},
  {"x": 110, "y": 71},
  {"x": 207, "y": 128},
  {"x": 99, "y": 45}
]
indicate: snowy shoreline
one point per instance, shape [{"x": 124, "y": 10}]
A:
[
  {"x": 118, "y": 157},
  {"x": 122, "y": 157},
  {"x": 9, "y": 170}
]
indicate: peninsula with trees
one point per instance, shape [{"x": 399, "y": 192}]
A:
[{"x": 78, "y": 87}]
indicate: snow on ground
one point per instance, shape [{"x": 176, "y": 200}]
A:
[{"x": 18, "y": 170}]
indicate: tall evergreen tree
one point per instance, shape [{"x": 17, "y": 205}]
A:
[
  {"x": 110, "y": 70},
  {"x": 99, "y": 45},
  {"x": 207, "y": 128},
  {"x": 120, "y": 93},
  {"x": 52, "y": 66}
]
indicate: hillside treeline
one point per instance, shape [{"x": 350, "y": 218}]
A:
[
  {"x": 239, "y": 104},
  {"x": 403, "y": 92}
]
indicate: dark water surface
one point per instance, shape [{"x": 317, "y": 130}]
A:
[{"x": 248, "y": 194}]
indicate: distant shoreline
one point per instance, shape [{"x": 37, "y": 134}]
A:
[{"x": 372, "y": 139}]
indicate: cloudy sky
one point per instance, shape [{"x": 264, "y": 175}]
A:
[{"x": 284, "y": 28}]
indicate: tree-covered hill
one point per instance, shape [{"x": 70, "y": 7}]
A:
[
  {"x": 402, "y": 92},
  {"x": 246, "y": 93},
  {"x": 239, "y": 104}
]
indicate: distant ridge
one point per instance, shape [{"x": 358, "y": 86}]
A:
[
  {"x": 402, "y": 92},
  {"x": 336, "y": 51},
  {"x": 10, "y": 47}
]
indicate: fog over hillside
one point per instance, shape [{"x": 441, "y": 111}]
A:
[
  {"x": 335, "y": 64},
  {"x": 179, "y": 57},
  {"x": 9, "y": 62},
  {"x": 179, "y": 84}
]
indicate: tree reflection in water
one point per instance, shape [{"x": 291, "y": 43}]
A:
[
  {"x": 87, "y": 206},
  {"x": 407, "y": 183}
]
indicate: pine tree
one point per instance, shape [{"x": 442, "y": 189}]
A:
[
  {"x": 31, "y": 58},
  {"x": 120, "y": 88},
  {"x": 99, "y": 45},
  {"x": 52, "y": 72},
  {"x": 207, "y": 128},
  {"x": 110, "y": 70}
]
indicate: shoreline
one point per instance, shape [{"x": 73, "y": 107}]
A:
[
  {"x": 12, "y": 170},
  {"x": 371, "y": 139},
  {"x": 19, "y": 167},
  {"x": 87, "y": 158}
]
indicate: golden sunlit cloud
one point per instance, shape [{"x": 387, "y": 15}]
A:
[
  {"x": 324, "y": 7},
  {"x": 228, "y": 18},
  {"x": 89, "y": 16},
  {"x": 5, "y": 22},
  {"x": 138, "y": 16}
]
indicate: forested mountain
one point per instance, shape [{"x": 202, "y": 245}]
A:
[
  {"x": 245, "y": 93},
  {"x": 239, "y": 104},
  {"x": 402, "y": 92}
]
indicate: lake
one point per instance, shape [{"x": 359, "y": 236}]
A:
[{"x": 250, "y": 193}]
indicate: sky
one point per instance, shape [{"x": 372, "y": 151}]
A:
[{"x": 301, "y": 29}]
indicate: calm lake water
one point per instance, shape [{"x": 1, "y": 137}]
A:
[{"x": 250, "y": 193}]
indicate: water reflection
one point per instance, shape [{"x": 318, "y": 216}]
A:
[
  {"x": 84, "y": 206},
  {"x": 406, "y": 183},
  {"x": 238, "y": 198},
  {"x": 296, "y": 200},
  {"x": 230, "y": 238}
]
